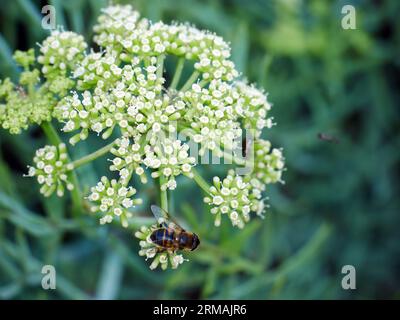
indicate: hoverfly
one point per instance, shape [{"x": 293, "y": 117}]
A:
[{"x": 171, "y": 236}]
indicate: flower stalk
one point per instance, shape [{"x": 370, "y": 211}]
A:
[
  {"x": 92, "y": 156},
  {"x": 192, "y": 79},
  {"x": 177, "y": 74},
  {"x": 163, "y": 194},
  {"x": 200, "y": 181},
  {"x": 160, "y": 66}
]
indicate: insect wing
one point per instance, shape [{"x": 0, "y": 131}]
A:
[
  {"x": 164, "y": 219},
  {"x": 161, "y": 216}
]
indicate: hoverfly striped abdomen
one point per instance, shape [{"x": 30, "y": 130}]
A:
[
  {"x": 163, "y": 237},
  {"x": 170, "y": 235}
]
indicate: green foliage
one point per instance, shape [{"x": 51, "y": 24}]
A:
[{"x": 339, "y": 204}]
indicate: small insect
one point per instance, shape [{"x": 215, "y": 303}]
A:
[
  {"x": 21, "y": 91},
  {"x": 247, "y": 144},
  {"x": 171, "y": 236},
  {"x": 327, "y": 137}
]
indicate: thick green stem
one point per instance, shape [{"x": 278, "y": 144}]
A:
[
  {"x": 92, "y": 156},
  {"x": 51, "y": 133},
  {"x": 76, "y": 195},
  {"x": 163, "y": 193},
  {"x": 177, "y": 74},
  {"x": 190, "y": 81},
  {"x": 200, "y": 181}
]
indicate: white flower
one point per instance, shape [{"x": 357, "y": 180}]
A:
[
  {"x": 268, "y": 164},
  {"x": 51, "y": 169},
  {"x": 129, "y": 159},
  {"x": 254, "y": 105},
  {"x": 60, "y": 52},
  {"x": 170, "y": 159},
  {"x": 230, "y": 197},
  {"x": 113, "y": 199}
]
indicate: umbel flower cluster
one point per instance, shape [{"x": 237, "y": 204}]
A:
[
  {"x": 51, "y": 169},
  {"x": 123, "y": 94},
  {"x": 113, "y": 198}
]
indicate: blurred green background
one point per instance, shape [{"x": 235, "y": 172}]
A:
[{"x": 339, "y": 204}]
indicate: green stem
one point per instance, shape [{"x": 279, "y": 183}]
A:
[
  {"x": 163, "y": 193},
  {"x": 76, "y": 196},
  {"x": 160, "y": 66},
  {"x": 233, "y": 158},
  {"x": 200, "y": 181},
  {"x": 31, "y": 90},
  {"x": 190, "y": 81},
  {"x": 230, "y": 156},
  {"x": 203, "y": 82},
  {"x": 178, "y": 73},
  {"x": 92, "y": 156},
  {"x": 51, "y": 133}
]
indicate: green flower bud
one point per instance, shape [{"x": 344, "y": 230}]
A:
[
  {"x": 24, "y": 58},
  {"x": 30, "y": 78}
]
